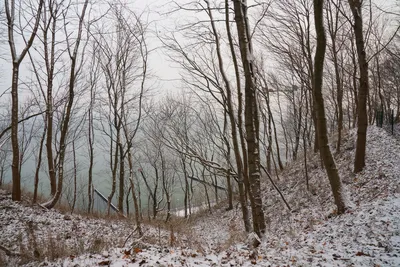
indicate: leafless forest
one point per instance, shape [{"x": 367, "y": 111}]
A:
[{"x": 254, "y": 86}]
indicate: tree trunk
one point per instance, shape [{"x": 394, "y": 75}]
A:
[
  {"x": 362, "y": 118},
  {"x": 16, "y": 177},
  {"x": 121, "y": 179},
  {"x": 114, "y": 166},
  {"x": 228, "y": 159},
  {"x": 329, "y": 162},
  {"x": 135, "y": 199},
  {"x": 10, "y": 17},
  {"x": 251, "y": 117},
  {"x": 49, "y": 137},
  {"x": 75, "y": 176},
  {"x": 91, "y": 156},
  {"x": 235, "y": 138},
  {"x": 66, "y": 120}
]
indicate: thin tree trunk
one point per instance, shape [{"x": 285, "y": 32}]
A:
[
  {"x": 91, "y": 158},
  {"x": 65, "y": 126},
  {"x": 16, "y": 178},
  {"x": 75, "y": 176},
  {"x": 127, "y": 201},
  {"x": 227, "y": 159},
  {"x": 10, "y": 17},
  {"x": 121, "y": 179},
  {"x": 236, "y": 149}
]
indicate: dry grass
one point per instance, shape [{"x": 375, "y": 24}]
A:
[
  {"x": 52, "y": 247},
  {"x": 36, "y": 245},
  {"x": 63, "y": 208}
]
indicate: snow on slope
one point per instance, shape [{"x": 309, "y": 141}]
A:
[{"x": 308, "y": 235}]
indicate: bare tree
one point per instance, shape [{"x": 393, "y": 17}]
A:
[
  {"x": 75, "y": 67},
  {"x": 251, "y": 115},
  {"x": 362, "y": 117},
  {"x": 122, "y": 55},
  {"x": 336, "y": 28},
  {"x": 329, "y": 162},
  {"x": 11, "y": 16},
  {"x": 208, "y": 77}
]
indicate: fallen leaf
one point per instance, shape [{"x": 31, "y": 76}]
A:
[
  {"x": 137, "y": 250},
  {"x": 361, "y": 253},
  {"x": 104, "y": 263}
]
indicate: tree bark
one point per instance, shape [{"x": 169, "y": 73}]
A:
[
  {"x": 251, "y": 116},
  {"x": 329, "y": 162},
  {"x": 121, "y": 179},
  {"x": 16, "y": 177},
  {"x": 135, "y": 199},
  {"x": 39, "y": 163},
  {"x": 16, "y": 62},
  {"x": 362, "y": 118},
  {"x": 65, "y": 125}
]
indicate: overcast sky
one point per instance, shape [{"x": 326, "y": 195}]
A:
[{"x": 159, "y": 65}]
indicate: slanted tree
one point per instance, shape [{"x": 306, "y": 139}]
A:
[{"x": 326, "y": 155}]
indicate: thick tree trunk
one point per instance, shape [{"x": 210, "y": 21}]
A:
[
  {"x": 251, "y": 117},
  {"x": 362, "y": 118},
  {"x": 329, "y": 162}
]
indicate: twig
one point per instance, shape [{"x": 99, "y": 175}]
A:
[
  {"x": 277, "y": 189},
  {"x": 21, "y": 120},
  {"x": 126, "y": 240},
  {"x": 43, "y": 207},
  {"x": 9, "y": 252}
]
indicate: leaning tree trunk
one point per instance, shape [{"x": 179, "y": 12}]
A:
[
  {"x": 362, "y": 118},
  {"x": 326, "y": 155}
]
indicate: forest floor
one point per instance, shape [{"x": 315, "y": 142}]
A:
[{"x": 309, "y": 234}]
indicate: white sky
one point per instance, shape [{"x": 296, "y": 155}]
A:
[{"x": 159, "y": 66}]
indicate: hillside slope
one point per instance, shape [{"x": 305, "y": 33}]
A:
[{"x": 310, "y": 234}]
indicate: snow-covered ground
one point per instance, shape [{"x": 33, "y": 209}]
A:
[{"x": 310, "y": 234}]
